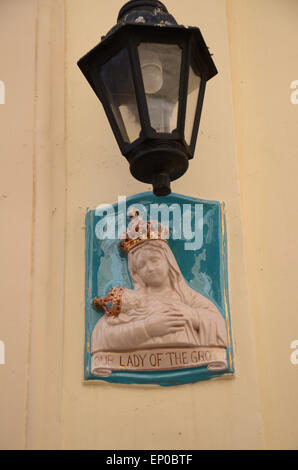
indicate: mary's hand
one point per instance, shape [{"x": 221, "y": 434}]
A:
[
  {"x": 161, "y": 325},
  {"x": 188, "y": 313}
]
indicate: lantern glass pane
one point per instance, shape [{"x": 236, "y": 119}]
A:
[
  {"x": 194, "y": 82},
  {"x": 160, "y": 66},
  {"x": 117, "y": 77}
]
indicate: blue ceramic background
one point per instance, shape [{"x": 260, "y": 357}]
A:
[{"x": 205, "y": 270}]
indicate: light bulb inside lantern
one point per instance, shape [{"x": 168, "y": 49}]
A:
[
  {"x": 152, "y": 71},
  {"x": 152, "y": 76},
  {"x": 160, "y": 66}
]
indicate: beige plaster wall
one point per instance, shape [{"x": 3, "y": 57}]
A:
[
  {"x": 32, "y": 194},
  {"x": 264, "y": 52},
  {"x": 16, "y": 210},
  {"x": 225, "y": 414}
]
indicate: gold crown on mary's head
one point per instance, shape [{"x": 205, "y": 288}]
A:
[{"x": 140, "y": 231}]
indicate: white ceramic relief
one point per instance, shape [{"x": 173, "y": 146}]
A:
[{"x": 162, "y": 323}]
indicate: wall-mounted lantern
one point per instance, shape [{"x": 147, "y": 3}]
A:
[{"x": 150, "y": 75}]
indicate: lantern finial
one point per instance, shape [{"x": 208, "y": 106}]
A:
[{"x": 145, "y": 4}]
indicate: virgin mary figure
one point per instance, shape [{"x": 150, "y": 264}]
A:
[{"x": 162, "y": 311}]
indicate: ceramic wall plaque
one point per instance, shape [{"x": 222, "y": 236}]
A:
[{"x": 157, "y": 306}]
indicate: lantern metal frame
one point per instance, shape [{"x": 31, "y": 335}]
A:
[{"x": 154, "y": 157}]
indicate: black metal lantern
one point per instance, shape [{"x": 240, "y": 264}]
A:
[{"x": 150, "y": 75}]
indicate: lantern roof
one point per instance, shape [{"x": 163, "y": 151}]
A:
[
  {"x": 100, "y": 50},
  {"x": 153, "y": 13},
  {"x": 145, "y": 12}
]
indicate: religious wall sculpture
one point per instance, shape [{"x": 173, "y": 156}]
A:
[{"x": 160, "y": 324}]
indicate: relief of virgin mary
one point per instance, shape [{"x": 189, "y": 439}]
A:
[{"x": 161, "y": 311}]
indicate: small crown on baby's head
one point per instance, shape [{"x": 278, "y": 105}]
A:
[
  {"x": 139, "y": 231},
  {"x": 111, "y": 303}
]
